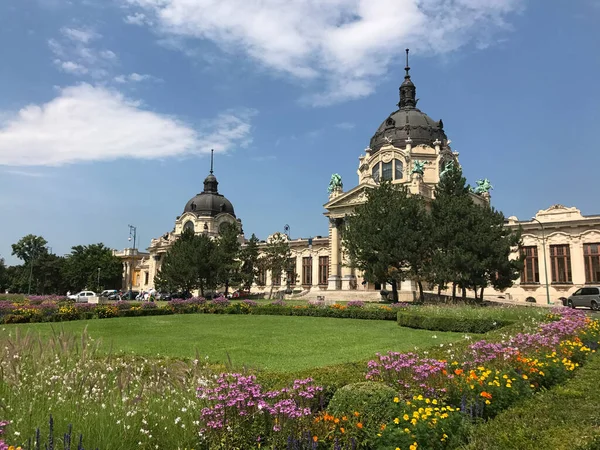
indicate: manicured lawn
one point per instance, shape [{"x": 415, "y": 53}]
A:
[{"x": 273, "y": 343}]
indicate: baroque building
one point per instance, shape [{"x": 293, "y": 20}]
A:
[{"x": 408, "y": 148}]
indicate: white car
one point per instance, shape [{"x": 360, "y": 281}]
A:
[{"x": 83, "y": 296}]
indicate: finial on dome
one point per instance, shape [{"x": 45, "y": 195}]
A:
[
  {"x": 407, "y": 68},
  {"x": 211, "y": 160},
  {"x": 408, "y": 92}
]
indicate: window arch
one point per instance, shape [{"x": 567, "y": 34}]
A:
[
  {"x": 387, "y": 172},
  {"x": 189, "y": 225},
  {"x": 375, "y": 173}
]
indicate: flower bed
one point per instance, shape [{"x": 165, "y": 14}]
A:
[{"x": 439, "y": 394}]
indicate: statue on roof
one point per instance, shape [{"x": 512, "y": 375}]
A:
[
  {"x": 335, "y": 183},
  {"x": 483, "y": 186},
  {"x": 448, "y": 167},
  {"x": 418, "y": 167}
]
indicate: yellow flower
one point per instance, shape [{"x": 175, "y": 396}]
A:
[
  {"x": 414, "y": 446},
  {"x": 406, "y": 417},
  {"x": 406, "y": 430},
  {"x": 524, "y": 376},
  {"x": 396, "y": 400},
  {"x": 396, "y": 421},
  {"x": 434, "y": 401}
]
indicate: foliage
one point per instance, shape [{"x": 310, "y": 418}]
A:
[
  {"x": 227, "y": 256},
  {"x": 388, "y": 237},
  {"x": 277, "y": 255},
  {"x": 29, "y": 247},
  {"x": 4, "y": 278},
  {"x": 249, "y": 259},
  {"x": 459, "y": 325},
  {"x": 93, "y": 267},
  {"x": 373, "y": 400}
]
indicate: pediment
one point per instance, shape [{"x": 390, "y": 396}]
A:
[
  {"x": 559, "y": 213},
  {"x": 354, "y": 196}
]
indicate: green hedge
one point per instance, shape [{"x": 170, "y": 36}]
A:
[
  {"x": 348, "y": 313},
  {"x": 565, "y": 417},
  {"x": 450, "y": 323}
]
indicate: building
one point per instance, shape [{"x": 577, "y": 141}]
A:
[{"x": 408, "y": 148}]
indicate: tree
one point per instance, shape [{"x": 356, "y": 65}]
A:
[
  {"x": 277, "y": 255},
  {"x": 228, "y": 253},
  {"x": 389, "y": 237},
  {"x": 28, "y": 249},
  {"x": 250, "y": 266},
  {"x": 92, "y": 267},
  {"x": 177, "y": 272},
  {"x": 4, "y": 280}
]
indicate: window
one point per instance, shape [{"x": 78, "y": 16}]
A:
[
  {"x": 276, "y": 279},
  {"x": 399, "y": 170},
  {"x": 591, "y": 256},
  {"x": 291, "y": 272},
  {"x": 375, "y": 173},
  {"x": 560, "y": 258},
  {"x": 589, "y": 291},
  {"x": 189, "y": 225},
  {"x": 261, "y": 278},
  {"x": 323, "y": 269},
  {"x": 146, "y": 277},
  {"x": 307, "y": 271},
  {"x": 387, "y": 172},
  {"x": 531, "y": 270}
]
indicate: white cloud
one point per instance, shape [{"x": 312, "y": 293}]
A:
[
  {"x": 75, "y": 53},
  {"x": 91, "y": 123},
  {"x": 137, "y": 19},
  {"x": 349, "y": 44},
  {"x": 135, "y": 78}
]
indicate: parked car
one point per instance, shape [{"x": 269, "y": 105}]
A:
[
  {"x": 586, "y": 296},
  {"x": 107, "y": 292},
  {"x": 163, "y": 296},
  {"x": 129, "y": 295},
  {"x": 115, "y": 295},
  {"x": 82, "y": 297},
  {"x": 238, "y": 294}
]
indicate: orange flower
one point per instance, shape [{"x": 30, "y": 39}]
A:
[
  {"x": 315, "y": 438},
  {"x": 356, "y": 413},
  {"x": 486, "y": 395},
  {"x": 359, "y": 425},
  {"x": 458, "y": 371},
  {"x": 342, "y": 430},
  {"x": 336, "y": 420}
]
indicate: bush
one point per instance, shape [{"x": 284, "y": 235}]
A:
[
  {"x": 382, "y": 313},
  {"x": 450, "y": 323},
  {"x": 374, "y": 401}
]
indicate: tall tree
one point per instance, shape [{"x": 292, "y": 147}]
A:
[
  {"x": 4, "y": 280},
  {"x": 228, "y": 255},
  {"x": 389, "y": 237},
  {"x": 277, "y": 255},
  {"x": 249, "y": 257},
  {"x": 93, "y": 267},
  {"x": 178, "y": 272},
  {"x": 29, "y": 248}
]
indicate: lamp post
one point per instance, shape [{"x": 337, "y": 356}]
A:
[
  {"x": 132, "y": 232},
  {"x": 545, "y": 261},
  {"x": 98, "y": 284}
]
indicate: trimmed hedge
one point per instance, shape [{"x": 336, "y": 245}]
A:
[
  {"x": 374, "y": 401},
  {"x": 456, "y": 324},
  {"x": 347, "y": 313}
]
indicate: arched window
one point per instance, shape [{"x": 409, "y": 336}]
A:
[
  {"x": 399, "y": 170},
  {"x": 189, "y": 225},
  {"x": 387, "y": 172},
  {"x": 375, "y": 173}
]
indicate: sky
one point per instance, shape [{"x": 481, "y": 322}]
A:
[{"x": 109, "y": 108}]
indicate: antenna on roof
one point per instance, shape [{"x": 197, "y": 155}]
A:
[
  {"x": 211, "y": 160},
  {"x": 407, "y": 68}
]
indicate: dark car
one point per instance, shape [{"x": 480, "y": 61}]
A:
[{"x": 129, "y": 295}]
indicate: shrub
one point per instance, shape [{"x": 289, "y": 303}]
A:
[
  {"x": 373, "y": 401},
  {"x": 355, "y": 304},
  {"x": 450, "y": 323}
]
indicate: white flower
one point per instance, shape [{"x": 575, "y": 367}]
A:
[{"x": 177, "y": 420}]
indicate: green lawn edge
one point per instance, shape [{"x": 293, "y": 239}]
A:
[{"x": 566, "y": 416}]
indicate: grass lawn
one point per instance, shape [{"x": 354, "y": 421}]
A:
[{"x": 274, "y": 343}]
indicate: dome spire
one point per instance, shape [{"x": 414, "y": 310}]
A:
[
  {"x": 210, "y": 182},
  {"x": 408, "y": 91}
]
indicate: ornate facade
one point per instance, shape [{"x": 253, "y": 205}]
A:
[{"x": 408, "y": 148}]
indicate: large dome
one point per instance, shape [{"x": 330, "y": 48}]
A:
[
  {"x": 408, "y": 122},
  {"x": 209, "y": 202}
]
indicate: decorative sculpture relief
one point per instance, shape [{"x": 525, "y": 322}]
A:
[
  {"x": 419, "y": 167},
  {"x": 483, "y": 186},
  {"x": 448, "y": 167}
]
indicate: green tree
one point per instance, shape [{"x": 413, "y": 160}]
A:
[
  {"x": 93, "y": 267},
  {"x": 277, "y": 255},
  {"x": 249, "y": 256},
  {"x": 177, "y": 272},
  {"x": 228, "y": 256},
  {"x": 389, "y": 237},
  {"x": 29, "y": 248},
  {"x": 4, "y": 280},
  {"x": 50, "y": 275}
]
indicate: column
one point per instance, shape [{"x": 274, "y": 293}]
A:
[
  {"x": 577, "y": 261},
  {"x": 348, "y": 278},
  {"x": 334, "y": 280},
  {"x": 315, "y": 270},
  {"x": 299, "y": 271}
]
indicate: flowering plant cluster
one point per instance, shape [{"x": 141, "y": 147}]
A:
[
  {"x": 239, "y": 413},
  {"x": 355, "y": 304},
  {"x": 4, "y": 445},
  {"x": 220, "y": 301}
]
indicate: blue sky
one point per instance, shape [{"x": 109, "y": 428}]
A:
[{"x": 109, "y": 108}]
